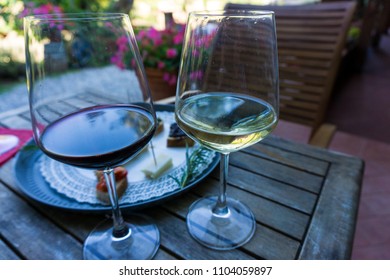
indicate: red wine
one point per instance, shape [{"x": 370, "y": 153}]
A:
[{"x": 98, "y": 137}]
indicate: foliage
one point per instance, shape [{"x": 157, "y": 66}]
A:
[
  {"x": 9, "y": 20},
  {"x": 73, "y": 6},
  {"x": 12, "y": 11},
  {"x": 10, "y": 69},
  {"x": 11, "y": 23},
  {"x": 159, "y": 49},
  {"x": 193, "y": 161},
  {"x": 32, "y": 8}
]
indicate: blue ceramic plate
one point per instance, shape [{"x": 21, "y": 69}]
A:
[{"x": 36, "y": 177}]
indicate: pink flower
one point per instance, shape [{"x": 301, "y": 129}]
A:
[
  {"x": 141, "y": 34},
  {"x": 195, "y": 52},
  {"x": 172, "y": 80},
  {"x": 57, "y": 9},
  {"x": 155, "y": 35},
  {"x": 117, "y": 60},
  {"x": 178, "y": 39},
  {"x": 30, "y": 8},
  {"x": 121, "y": 65},
  {"x": 122, "y": 44},
  {"x": 160, "y": 65},
  {"x": 197, "y": 75},
  {"x": 157, "y": 42},
  {"x": 121, "y": 40},
  {"x": 166, "y": 77},
  {"x": 133, "y": 63},
  {"x": 144, "y": 42},
  {"x": 144, "y": 54},
  {"x": 171, "y": 53}
]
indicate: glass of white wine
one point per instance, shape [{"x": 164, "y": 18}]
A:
[{"x": 227, "y": 99}]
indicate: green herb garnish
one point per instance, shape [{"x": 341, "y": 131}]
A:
[
  {"x": 30, "y": 147},
  {"x": 193, "y": 161}
]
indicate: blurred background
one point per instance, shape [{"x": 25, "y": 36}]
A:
[{"x": 143, "y": 13}]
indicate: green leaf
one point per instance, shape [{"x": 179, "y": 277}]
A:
[{"x": 193, "y": 160}]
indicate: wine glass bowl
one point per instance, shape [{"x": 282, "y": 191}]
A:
[
  {"x": 227, "y": 99},
  {"x": 92, "y": 61}
]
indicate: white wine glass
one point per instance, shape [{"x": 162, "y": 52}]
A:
[
  {"x": 91, "y": 108},
  {"x": 227, "y": 99}
]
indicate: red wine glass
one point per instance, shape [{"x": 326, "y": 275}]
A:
[{"x": 91, "y": 108}]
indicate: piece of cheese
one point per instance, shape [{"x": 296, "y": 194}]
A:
[{"x": 153, "y": 170}]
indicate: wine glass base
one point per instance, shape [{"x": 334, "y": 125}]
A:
[
  {"x": 141, "y": 243},
  {"x": 220, "y": 231}
]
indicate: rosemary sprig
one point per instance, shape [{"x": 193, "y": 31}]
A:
[
  {"x": 193, "y": 160},
  {"x": 30, "y": 147}
]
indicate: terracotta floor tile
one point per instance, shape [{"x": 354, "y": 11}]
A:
[
  {"x": 360, "y": 110},
  {"x": 375, "y": 168},
  {"x": 348, "y": 143},
  {"x": 374, "y": 205},
  {"x": 377, "y": 252},
  {"x": 378, "y": 151},
  {"x": 373, "y": 231},
  {"x": 379, "y": 184}
]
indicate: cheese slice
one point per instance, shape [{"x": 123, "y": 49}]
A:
[{"x": 153, "y": 170}]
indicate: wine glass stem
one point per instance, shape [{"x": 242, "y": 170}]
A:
[
  {"x": 120, "y": 228},
  {"x": 221, "y": 206}
]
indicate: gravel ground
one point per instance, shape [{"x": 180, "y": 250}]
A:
[
  {"x": 109, "y": 80},
  {"x": 15, "y": 97}
]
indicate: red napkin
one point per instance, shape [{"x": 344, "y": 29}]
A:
[{"x": 23, "y": 134}]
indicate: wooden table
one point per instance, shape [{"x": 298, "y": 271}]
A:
[{"x": 305, "y": 201}]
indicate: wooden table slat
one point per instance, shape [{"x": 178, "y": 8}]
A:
[
  {"x": 267, "y": 212},
  {"x": 31, "y": 233},
  {"x": 6, "y": 253},
  {"x": 311, "y": 165},
  {"x": 266, "y": 244},
  {"x": 274, "y": 190},
  {"x": 174, "y": 235},
  {"x": 335, "y": 233},
  {"x": 271, "y": 169},
  {"x": 16, "y": 122}
]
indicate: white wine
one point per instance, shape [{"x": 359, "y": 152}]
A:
[{"x": 226, "y": 122}]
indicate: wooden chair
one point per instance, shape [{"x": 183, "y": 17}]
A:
[{"x": 310, "y": 42}]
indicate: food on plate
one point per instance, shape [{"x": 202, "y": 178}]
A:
[
  {"x": 121, "y": 184},
  {"x": 153, "y": 169},
  {"x": 177, "y": 137}
]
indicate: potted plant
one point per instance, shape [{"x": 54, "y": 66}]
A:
[{"x": 160, "y": 51}]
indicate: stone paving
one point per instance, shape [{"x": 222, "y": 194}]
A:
[
  {"x": 109, "y": 80},
  {"x": 15, "y": 97}
]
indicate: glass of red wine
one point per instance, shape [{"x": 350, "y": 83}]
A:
[{"x": 91, "y": 108}]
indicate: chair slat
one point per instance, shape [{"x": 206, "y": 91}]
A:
[{"x": 310, "y": 42}]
